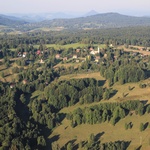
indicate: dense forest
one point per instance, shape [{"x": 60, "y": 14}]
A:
[{"x": 130, "y": 36}]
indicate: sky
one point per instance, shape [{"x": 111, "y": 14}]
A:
[{"x": 129, "y": 7}]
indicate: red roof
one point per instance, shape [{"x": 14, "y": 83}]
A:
[{"x": 38, "y": 52}]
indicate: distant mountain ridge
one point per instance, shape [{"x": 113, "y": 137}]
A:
[
  {"x": 106, "y": 20},
  {"x": 94, "y": 21}
]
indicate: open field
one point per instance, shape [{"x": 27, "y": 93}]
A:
[
  {"x": 131, "y": 50},
  {"x": 95, "y": 75},
  {"x": 46, "y": 29},
  {"x": 107, "y": 131},
  {"x": 135, "y": 93},
  {"x": 74, "y": 45},
  {"x": 66, "y": 65}
]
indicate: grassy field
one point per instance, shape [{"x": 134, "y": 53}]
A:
[
  {"x": 131, "y": 50},
  {"x": 95, "y": 75},
  {"x": 110, "y": 133},
  {"x": 107, "y": 131},
  {"x": 47, "y": 29},
  {"x": 74, "y": 45}
]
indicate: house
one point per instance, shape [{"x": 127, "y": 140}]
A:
[
  {"x": 57, "y": 56},
  {"x": 105, "y": 55},
  {"x": 77, "y": 50},
  {"x": 41, "y": 61},
  {"x": 24, "y": 54},
  {"x": 12, "y": 85},
  {"x": 38, "y": 52},
  {"x": 77, "y": 61},
  {"x": 97, "y": 58},
  {"x": 65, "y": 58},
  {"x": 93, "y": 52},
  {"x": 19, "y": 54},
  {"x": 91, "y": 49},
  {"x": 24, "y": 81},
  {"x": 110, "y": 45},
  {"x": 75, "y": 57}
]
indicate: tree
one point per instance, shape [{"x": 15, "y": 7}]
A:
[
  {"x": 41, "y": 141},
  {"x": 91, "y": 139},
  {"x": 22, "y": 98},
  {"x": 55, "y": 146},
  {"x": 70, "y": 146},
  {"x": 106, "y": 94},
  {"x": 141, "y": 127}
]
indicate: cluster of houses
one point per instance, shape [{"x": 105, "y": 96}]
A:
[
  {"x": 76, "y": 57},
  {"x": 24, "y": 54}
]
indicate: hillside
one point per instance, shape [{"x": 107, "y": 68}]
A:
[
  {"x": 90, "y": 21},
  {"x": 10, "y": 21},
  {"x": 107, "y": 20}
]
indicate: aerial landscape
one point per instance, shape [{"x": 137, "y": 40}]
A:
[{"x": 74, "y": 75}]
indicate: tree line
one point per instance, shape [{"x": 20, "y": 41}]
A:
[{"x": 110, "y": 112}]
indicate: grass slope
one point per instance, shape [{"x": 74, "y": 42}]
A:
[{"x": 107, "y": 131}]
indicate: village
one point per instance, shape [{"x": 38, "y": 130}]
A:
[{"x": 78, "y": 55}]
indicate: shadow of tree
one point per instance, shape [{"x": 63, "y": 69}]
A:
[
  {"x": 97, "y": 137},
  {"x": 55, "y": 138},
  {"x": 101, "y": 82},
  {"x": 113, "y": 93},
  {"x": 139, "y": 147},
  {"x": 146, "y": 125}
]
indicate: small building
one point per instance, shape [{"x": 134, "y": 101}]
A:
[
  {"x": 92, "y": 52},
  {"x": 97, "y": 58},
  {"x": 77, "y": 50},
  {"x": 57, "y": 56},
  {"x": 38, "y": 52},
  {"x": 19, "y": 54},
  {"x": 105, "y": 55},
  {"x": 77, "y": 61},
  {"x": 41, "y": 61},
  {"x": 24, "y": 81},
  {"x": 12, "y": 85},
  {"x": 65, "y": 58},
  {"x": 111, "y": 45},
  {"x": 24, "y": 54},
  {"x": 91, "y": 49},
  {"x": 75, "y": 57}
]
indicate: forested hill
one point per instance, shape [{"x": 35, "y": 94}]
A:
[
  {"x": 10, "y": 21},
  {"x": 98, "y": 21},
  {"x": 107, "y": 20}
]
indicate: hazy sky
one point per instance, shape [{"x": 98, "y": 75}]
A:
[{"x": 133, "y": 7}]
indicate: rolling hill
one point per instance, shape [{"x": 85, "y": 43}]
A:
[
  {"x": 90, "y": 21},
  {"x": 11, "y": 21},
  {"x": 106, "y": 20}
]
